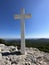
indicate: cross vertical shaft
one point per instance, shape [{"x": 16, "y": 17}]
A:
[{"x": 22, "y": 32}]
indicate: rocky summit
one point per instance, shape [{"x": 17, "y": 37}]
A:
[{"x": 10, "y": 55}]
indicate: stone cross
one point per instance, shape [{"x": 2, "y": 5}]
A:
[{"x": 22, "y": 16}]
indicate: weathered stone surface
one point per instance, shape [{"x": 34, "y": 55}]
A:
[
  {"x": 2, "y": 45},
  {"x": 12, "y": 48},
  {"x": 32, "y": 57},
  {"x": 0, "y": 56}
]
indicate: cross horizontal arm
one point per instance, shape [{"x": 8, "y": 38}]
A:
[{"x": 22, "y": 16}]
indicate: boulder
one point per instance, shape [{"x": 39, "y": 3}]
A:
[
  {"x": 12, "y": 48},
  {"x": 0, "y": 56}
]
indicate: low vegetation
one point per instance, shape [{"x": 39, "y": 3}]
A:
[{"x": 41, "y": 44}]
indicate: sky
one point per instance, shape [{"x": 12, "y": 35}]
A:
[{"x": 35, "y": 27}]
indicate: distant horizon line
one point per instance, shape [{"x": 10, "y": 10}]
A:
[{"x": 20, "y": 38}]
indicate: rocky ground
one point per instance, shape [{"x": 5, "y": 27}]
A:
[{"x": 9, "y": 55}]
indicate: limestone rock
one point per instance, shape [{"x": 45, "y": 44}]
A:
[
  {"x": 32, "y": 57},
  {"x": 12, "y": 48},
  {"x": 0, "y": 56}
]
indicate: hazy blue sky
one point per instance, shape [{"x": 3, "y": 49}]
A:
[{"x": 35, "y": 27}]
